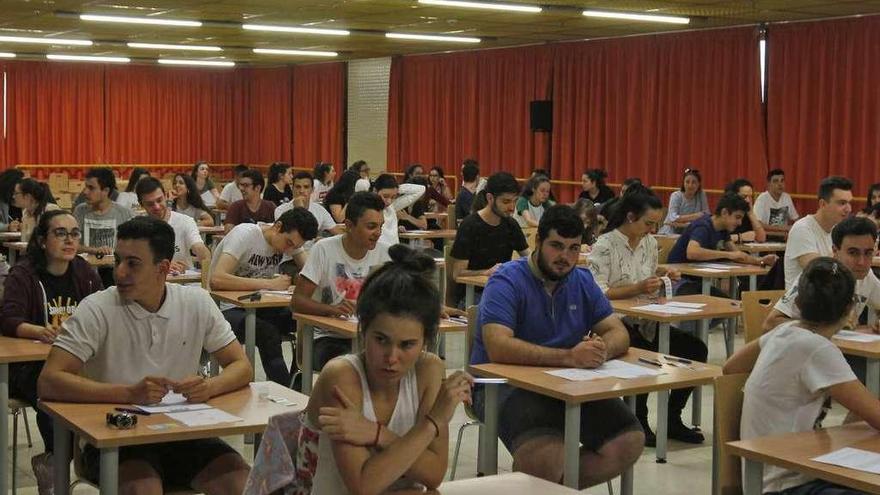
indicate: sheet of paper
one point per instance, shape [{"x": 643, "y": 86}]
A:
[
  {"x": 713, "y": 270},
  {"x": 717, "y": 266},
  {"x": 848, "y": 457},
  {"x": 172, "y": 402},
  {"x": 576, "y": 374},
  {"x": 454, "y": 321},
  {"x": 666, "y": 308},
  {"x": 418, "y": 231},
  {"x": 275, "y": 292},
  {"x": 203, "y": 417},
  {"x": 614, "y": 368},
  {"x": 679, "y": 304},
  {"x": 857, "y": 336}
]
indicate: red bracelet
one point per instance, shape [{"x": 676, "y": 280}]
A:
[
  {"x": 378, "y": 430},
  {"x": 436, "y": 427}
]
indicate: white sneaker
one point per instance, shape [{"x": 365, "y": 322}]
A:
[{"x": 42, "y": 465}]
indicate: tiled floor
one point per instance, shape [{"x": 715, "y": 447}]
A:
[{"x": 687, "y": 471}]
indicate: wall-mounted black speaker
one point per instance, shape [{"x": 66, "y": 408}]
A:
[{"x": 541, "y": 115}]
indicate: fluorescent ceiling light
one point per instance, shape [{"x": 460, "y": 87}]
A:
[
  {"x": 139, "y": 20},
  {"x": 484, "y": 5},
  {"x": 203, "y": 63},
  {"x": 431, "y": 37},
  {"x": 637, "y": 17},
  {"x": 44, "y": 41},
  {"x": 88, "y": 58},
  {"x": 7, "y": 55},
  {"x": 304, "y": 53},
  {"x": 295, "y": 29},
  {"x": 162, "y": 46}
]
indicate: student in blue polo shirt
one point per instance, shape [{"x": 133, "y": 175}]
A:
[{"x": 542, "y": 310}]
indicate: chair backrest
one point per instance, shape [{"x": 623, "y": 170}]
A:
[
  {"x": 728, "y": 410},
  {"x": 756, "y": 306},
  {"x": 664, "y": 245}
]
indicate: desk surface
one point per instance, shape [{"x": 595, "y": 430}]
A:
[
  {"x": 348, "y": 328},
  {"x": 428, "y": 234},
  {"x": 14, "y": 350},
  {"x": 266, "y": 300},
  {"x": 500, "y": 484},
  {"x": 715, "y": 307},
  {"x": 89, "y": 420},
  {"x": 213, "y": 229},
  {"x": 762, "y": 247},
  {"x": 477, "y": 280},
  {"x": 794, "y": 450},
  {"x": 9, "y": 236},
  {"x": 534, "y": 379},
  {"x": 699, "y": 270},
  {"x": 16, "y": 245},
  {"x": 870, "y": 350},
  {"x": 184, "y": 278}
]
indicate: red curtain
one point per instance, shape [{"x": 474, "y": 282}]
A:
[
  {"x": 55, "y": 113},
  {"x": 823, "y": 101},
  {"x": 444, "y": 108},
  {"x": 652, "y": 106},
  {"x": 318, "y": 108},
  {"x": 263, "y": 112}
]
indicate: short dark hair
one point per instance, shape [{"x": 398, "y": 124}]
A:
[
  {"x": 597, "y": 175},
  {"x": 636, "y": 202},
  {"x": 276, "y": 170},
  {"x": 502, "y": 183},
  {"x": 361, "y": 202},
  {"x": 738, "y": 184},
  {"x": 158, "y": 234},
  {"x": 408, "y": 174},
  {"x": 853, "y": 226},
  {"x": 385, "y": 181},
  {"x": 146, "y": 186},
  {"x": 732, "y": 203},
  {"x": 321, "y": 170},
  {"x": 402, "y": 287},
  {"x": 563, "y": 219},
  {"x": 8, "y": 179},
  {"x": 873, "y": 187},
  {"x": 238, "y": 169},
  {"x": 303, "y": 175},
  {"x": 300, "y": 220},
  {"x": 825, "y": 291},
  {"x": 255, "y": 176},
  {"x": 357, "y": 165},
  {"x": 135, "y": 176},
  {"x": 104, "y": 176},
  {"x": 470, "y": 172},
  {"x": 829, "y": 184},
  {"x": 774, "y": 173},
  {"x": 39, "y": 191}
]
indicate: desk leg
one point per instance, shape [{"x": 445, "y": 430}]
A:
[
  {"x": 307, "y": 357},
  {"x": 12, "y": 254},
  {"x": 258, "y": 437},
  {"x": 468, "y": 296},
  {"x": 753, "y": 282},
  {"x": 716, "y": 454},
  {"x": 729, "y": 336},
  {"x": 109, "y": 471},
  {"x": 626, "y": 477},
  {"x": 250, "y": 335},
  {"x": 61, "y": 457},
  {"x": 4, "y": 429},
  {"x": 662, "y": 399},
  {"x": 754, "y": 478},
  {"x": 572, "y": 445},
  {"x": 872, "y": 376},
  {"x": 487, "y": 457}
]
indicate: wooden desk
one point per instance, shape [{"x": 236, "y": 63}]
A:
[
  {"x": 442, "y": 218},
  {"x": 447, "y": 235},
  {"x": 250, "y": 308},
  {"x": 707, "y": 275},
  {"x": 876, "y": 262},
  {"x": 575, "y": 393},
  {"x": 88, "y": 422},
  {"x": 13, "y": 248},
  {"x": 10, "y": 236},
  {"x": 499, "y": 484},
  {"x": 13, "y": 351},
  {"x": 794, "y": 450},
  {"x": 715, "y": 307},
  {"x": 346, "y": 329},
  {"x": 762, "y": 247},
  {"x": 469, "y": 284},
  {"x": 871, "y": 352},
  {"x": 185, "y": 278}
]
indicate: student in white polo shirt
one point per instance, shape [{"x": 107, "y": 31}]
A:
[
  {"x": 302, "y": 195},
  {"x": 136, "y": 341},
  {"x": 187, "y": 240}
]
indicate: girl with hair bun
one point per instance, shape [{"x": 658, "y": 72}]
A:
[
  {"x": 796, "y": 370},
  {"x": 379, "y": 419}
]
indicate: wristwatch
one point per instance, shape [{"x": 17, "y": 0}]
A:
[{"x": 121, "y": 420}]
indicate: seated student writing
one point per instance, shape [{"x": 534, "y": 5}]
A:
[
  {"x": 624, "y": 264},
  {"x": 751, "y": 229},
  {"x": 247, "y": 259},
  {"x": 42, "y": 291},
  {"x": 795, "y": 370},
  {"x": 123, "y": 344},
  {"x": 379, "y": 419}
]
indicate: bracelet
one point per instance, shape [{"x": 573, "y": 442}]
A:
[
  {"x": 378, "y": 430},
  {"x": 436, "y": 427}
]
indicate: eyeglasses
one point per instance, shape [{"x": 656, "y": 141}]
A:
[
  {"x": 63, "y": 233},
  {"x": 245, "y": 184}
]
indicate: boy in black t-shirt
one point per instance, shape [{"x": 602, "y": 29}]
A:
[{"x": 489, "y": 238}]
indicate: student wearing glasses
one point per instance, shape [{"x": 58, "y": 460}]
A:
[
  {"x": 253, "y": 208},
  {"x": 42, "y": 291}
]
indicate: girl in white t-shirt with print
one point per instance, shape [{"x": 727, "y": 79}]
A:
[{"x": 796, "y": 370}]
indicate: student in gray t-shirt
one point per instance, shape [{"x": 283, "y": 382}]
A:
[{"x": 99, "y": 216}]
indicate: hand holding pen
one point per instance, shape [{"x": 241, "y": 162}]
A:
[{"x": 590, "y": 352}]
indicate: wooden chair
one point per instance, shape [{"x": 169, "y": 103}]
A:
[
  {"x": 728, "y": 410},
  {"x": 664, "y": 246},
  {"x": 59, "y": 181},
  {"x": 756, "y": 306},
  {"x": 473, "y": 313}
]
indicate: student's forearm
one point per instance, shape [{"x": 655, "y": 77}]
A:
[
  {"x": 690, "y": 217},
  {"x": 703, "y": 254},
  {"x": 624, "y": 291},
  {"x": 233, "y": 377},
  {"x": 511, "y": 350},
  {"x": 29, "y": 331},
  {"x": 68, "y": 387},
  {"x": 427, "y": 467},
  {"x": 307, "y": 305},
  {"x": 384, "y": 468},
  {"x": 616, "y": 343},
  {"x": 226, "y": 281}
]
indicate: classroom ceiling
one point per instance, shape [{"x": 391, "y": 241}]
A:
[{"x": 367, "y": 20}]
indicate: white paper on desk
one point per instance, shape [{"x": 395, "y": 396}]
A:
[
  {"x": 172, "y": 402},
  {"x": 712, "y": 270},
  {"x": 848, "y": 457},
  {"x": 417, "y": 232},
  {"x": 678, "y": 304},
  {"x": 717, "y": 266},
  {"x": 577, "y": 374},
  {"x": 203, "y": 417},
  {"x": 666, "y": 308},
  {"x": 275, "y": 292},
  {"x": 611, "y": 369},
  {"x": 455, "y": 321},
  {"x": 857, "y": 336}
]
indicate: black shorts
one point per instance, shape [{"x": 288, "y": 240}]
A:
[
  {"x": 524, "y": 415},
  {"x": 177, "y": 463}
]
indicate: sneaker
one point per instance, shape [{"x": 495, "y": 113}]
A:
[
  {"x": 42, "y": 466},
  {"x": 678, "y": 431}
]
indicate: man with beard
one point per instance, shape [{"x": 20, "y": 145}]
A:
[
  {"x": 542, "y": 310},
  {"x": 489, "y": 238}
]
